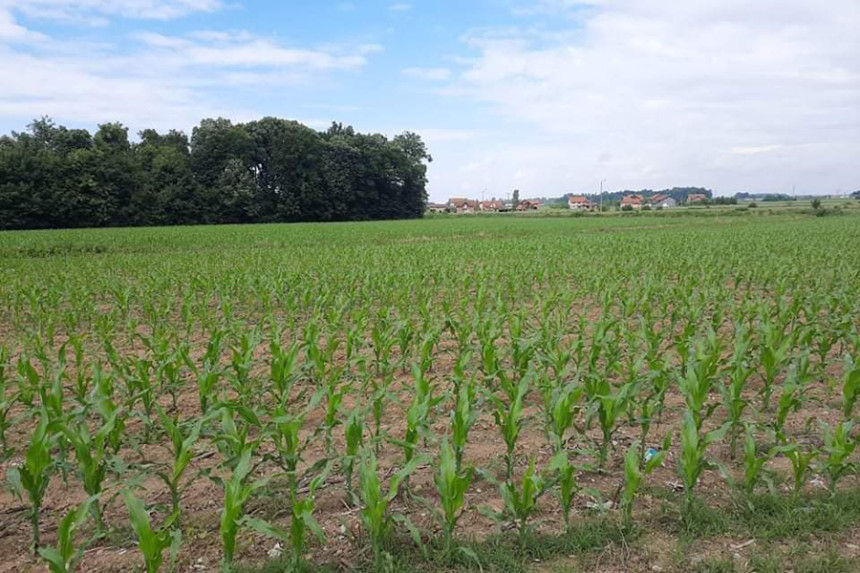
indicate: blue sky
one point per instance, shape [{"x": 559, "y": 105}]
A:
[{"x": 548, "y": 96}]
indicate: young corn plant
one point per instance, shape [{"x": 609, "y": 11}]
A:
[
  {"x": 284, "y": 370},
  {"x": 238, "y": 488},
  {"x": 451, "y": 485},
  {"x": 520, "y": 500},
  {"x": 801, "y": 460},
  {"x": 301, "y": 521},
  {"x": 375, "y": 515},
  {"x": 354, "y": 430},
  {"x": 775, "y": 347},
  {"x": 65, "y": 556},
  {"x": 739, "y": 372},
  {"x": 509, "y": 417},
  {"x": 635, "y": 472},
  {"x": 182, "y": 441},
  {"x": 101, "y": 400},
  {"x": 791, "y": 398},
  {"x": 418, "y": 416},
  {"x": 152, "y": 543},
  {"x": 838, "y": 447},
  {"x": 755, "y": 470},
  {"x": 850, "y": 386},
  {"x": 610, "y": 404},
  {"x": 7, "y": 401},
  {"x": 644, "y": 406},
  {"x": 93, "y": 455},
  {"x": 693, "y": 462},
  {"x": 561, "y": 405},
  {"x": 285, "y": 431},
  {"x": 337, "y": 387},
  {"x": 568, "y": 486},
  {"x": 242, "y": 362},
  {"x": 465, "y": 411},
  {"x": 35, "y": 474},
  {"x": 209, "y": 374},
  {"x": 698, "y": 380}
]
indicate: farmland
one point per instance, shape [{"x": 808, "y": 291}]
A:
[{"x": 660, "y": 392}]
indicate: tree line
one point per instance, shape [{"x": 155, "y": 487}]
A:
[{"x": 269, "y": 170}]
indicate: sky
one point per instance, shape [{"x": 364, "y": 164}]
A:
[{"x": 546, "y": 96}]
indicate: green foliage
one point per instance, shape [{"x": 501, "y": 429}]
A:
[
  {"x": 839, "y": 444},
  {"x": 35, "y": 474},
  {"x": 851, "y": 386},
  {"x": 152, "y": 543},
  {"x": 261, "y": 171},
  {"x": 451, "y": 485},
  {"x": 520, "y": 499},
  {"x": 237, "y": 490},
  {"x": 635, "y": 472},
  {"x": 692, "y": 461},
  {"x": 64, "y": 557},
  {"x": 375, "y": 515}
]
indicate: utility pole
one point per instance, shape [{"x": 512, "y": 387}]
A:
[{"x": 602, "y": 181}]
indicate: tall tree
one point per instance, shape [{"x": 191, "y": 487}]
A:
[{"x": 266, "y": 170}]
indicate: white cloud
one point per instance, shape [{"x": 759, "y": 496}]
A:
[
  {"x": 665, "y": 92},
  {"x": 153, "y": 80},
  {"x": 755, "y": 150},
  {"x": 11, "y": 31},
  {"x": 245, "y": 50},
  {"x": 400, "y": 7},
  {"x": 431, "y": 74}
]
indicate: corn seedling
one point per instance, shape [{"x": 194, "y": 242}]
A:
[
  {"x": 838, "y": 447},
  {"x": 692, "y": 461},
  {"x": 451, "y": 485},
  {"x": 152, "y": 543},
  {"x": 464, "y": 413},
  {"x": 354, "y": 429},
  {"x": 182, "y": 441},
  {"x": 375, "y": 515},
  {"x": 520, "y": 500},
  {"x": 65, "y": 556},
  {"x": 634, "y": 474},
  {"x": 34, "y": 475},
  {"x": 509, "y": 418},
  {"x": 301, "y": 520},
  {"x": 93, "y": 456},
  {"x": 850, "y": 386},
  {"x": 238, "y": 488}
]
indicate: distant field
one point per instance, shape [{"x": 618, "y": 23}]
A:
[{"x": 254, "y": 386}]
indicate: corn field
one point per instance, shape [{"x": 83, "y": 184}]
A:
[{"x": 326, "y": 396}]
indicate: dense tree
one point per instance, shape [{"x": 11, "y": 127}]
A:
[{"x": 262, "y": 171}]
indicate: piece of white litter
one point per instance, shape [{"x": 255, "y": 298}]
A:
[{"x": 275, "y": 551}]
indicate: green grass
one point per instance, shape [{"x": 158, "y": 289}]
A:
[
  {"x": 499, "y": 553},
  {"x": 773, "y": 521},
  {"x": 774, "y": 517}
]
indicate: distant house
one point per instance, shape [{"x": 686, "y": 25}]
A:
[
  {"x": 493, "y": 206},
  {"x": 579, "y": 203},
  {"x": 528, "y": 205},
  {"x": 437, "y": 208},
  {"x": 632, "y": 201},
  {"x": 461, "y": 205},
  {"x": 663, "y": 202},
  {"x": 696, "y": 198}
]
